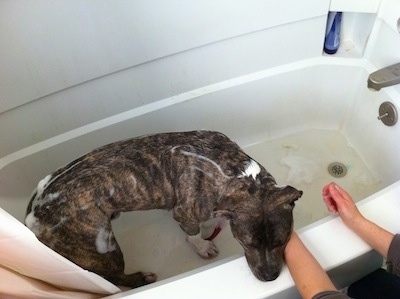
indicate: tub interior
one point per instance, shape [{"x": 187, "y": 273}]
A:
[{"x": 294, "y": 132}]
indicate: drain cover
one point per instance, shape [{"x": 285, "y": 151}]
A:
[{"x": 337, "y": 169}]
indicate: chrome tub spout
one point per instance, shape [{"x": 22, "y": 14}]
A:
[{"x": 384, "y": 77}]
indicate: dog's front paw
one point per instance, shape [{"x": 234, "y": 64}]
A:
[{"x": 206, "y": 249}]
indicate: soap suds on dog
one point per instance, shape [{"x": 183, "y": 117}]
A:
[{"x": 103, "y": 241}]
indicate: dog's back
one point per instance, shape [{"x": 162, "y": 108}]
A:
[{"x": 146, "y": 169}]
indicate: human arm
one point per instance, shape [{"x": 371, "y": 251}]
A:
[
  {"x": 339, "y": 201},
  {"x": 310, "y": 278}
]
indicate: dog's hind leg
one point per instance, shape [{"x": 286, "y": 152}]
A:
[
  {"x": 91, "y": 244},
  {"x": 111, "y": 266},
  {"x": 108, "y": 261},
  {"x": 134, "y": 280}
]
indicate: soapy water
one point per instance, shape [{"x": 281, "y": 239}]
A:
[
  {"x": 302, "y": 160},
  {"x": 302, "y": 170},
  {"x": 152, "y": 241}
]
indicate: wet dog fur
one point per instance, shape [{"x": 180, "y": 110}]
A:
[{"x": 198, "y": 175}]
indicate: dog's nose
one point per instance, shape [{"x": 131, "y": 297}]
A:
[
  {"x": 265, "y": 276},
  {"x": 272, "y": 276}
]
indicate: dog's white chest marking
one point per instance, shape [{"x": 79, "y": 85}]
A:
[
  {"x": 104, "y": 241},
  {"x": 252, "y": 170}
]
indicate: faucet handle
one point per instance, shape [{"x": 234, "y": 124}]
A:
[
  {"x": 388, "y": 113},
  {"x": 383, "y": 115}
]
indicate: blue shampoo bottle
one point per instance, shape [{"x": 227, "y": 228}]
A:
[{"x": 332, "y": 36}]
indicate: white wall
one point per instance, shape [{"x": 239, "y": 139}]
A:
[
  {"x": 64, "y": 64},
  {"x": 48, "y": 46}
]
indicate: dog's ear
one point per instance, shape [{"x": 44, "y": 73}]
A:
[{"x": 283, "y": 197}]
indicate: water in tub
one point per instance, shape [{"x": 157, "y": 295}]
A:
[{"x": 152, "y": 240}]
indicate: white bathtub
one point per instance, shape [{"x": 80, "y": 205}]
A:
[
  {"x": 299, "y": 112},
  {"x": 318, "y": 122}
]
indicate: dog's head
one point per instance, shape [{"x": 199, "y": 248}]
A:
[{"x": 261, "y": 218}]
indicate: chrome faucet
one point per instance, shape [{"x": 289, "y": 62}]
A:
[{"x": 385, "y": 77}]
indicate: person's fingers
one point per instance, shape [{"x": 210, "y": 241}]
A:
[
  {"x": 333, "y": 188},
  {"x": 330, "y": 204},
  {"x": 325, "y": 190}
]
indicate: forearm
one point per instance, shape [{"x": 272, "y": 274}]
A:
[
  {"x": 306, "y": 272},
  {"x": 377, "y": 237}
]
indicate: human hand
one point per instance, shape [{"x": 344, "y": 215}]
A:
[{"x": 339, "y": 201}]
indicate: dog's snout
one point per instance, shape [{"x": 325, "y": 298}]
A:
[
  {"x": 273, "y": 276},
  {"x": 267, "y": 276}
]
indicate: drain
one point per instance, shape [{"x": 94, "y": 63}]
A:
[{"x": 337, "y": 169}]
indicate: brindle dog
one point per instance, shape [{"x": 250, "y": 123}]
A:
[{"x": 198, "y": 175}]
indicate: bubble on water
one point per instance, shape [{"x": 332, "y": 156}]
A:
[{"x": 301, "y": 169}]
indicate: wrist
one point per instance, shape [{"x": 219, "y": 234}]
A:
[{"x": 356, "y": 222}]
